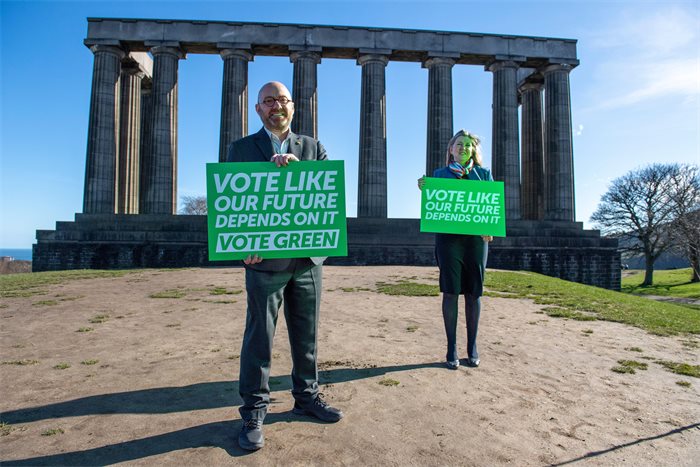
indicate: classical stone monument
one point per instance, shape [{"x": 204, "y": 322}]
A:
[{"x": 129, "y": 211}]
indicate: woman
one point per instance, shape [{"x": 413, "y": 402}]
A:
[{"x": 461, "y": 258}]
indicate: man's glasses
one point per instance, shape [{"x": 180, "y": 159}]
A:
[{"x": 270, "y": 101}]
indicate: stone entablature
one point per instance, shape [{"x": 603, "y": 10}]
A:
[{"x": 278, "y": 39}]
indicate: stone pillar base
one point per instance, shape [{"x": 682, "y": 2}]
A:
[{"x": 120, "y": 241}]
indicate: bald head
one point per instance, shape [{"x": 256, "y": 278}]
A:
[
  {"x": 274, "y": 89},
  {"x": 276, "y": 116}
]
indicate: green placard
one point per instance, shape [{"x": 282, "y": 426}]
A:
[
  {"x": 468, "y": 207},
  {"x": 296, "y": 211}
]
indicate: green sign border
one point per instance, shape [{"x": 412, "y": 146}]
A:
[
  {"x": 460, "y": 214},
  {"x": 302, "y": 237}
]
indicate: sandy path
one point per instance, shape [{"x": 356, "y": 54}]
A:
[{"x": 165, "y": 388}]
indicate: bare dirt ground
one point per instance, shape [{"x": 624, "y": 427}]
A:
[{"x": 164, "y": 391}]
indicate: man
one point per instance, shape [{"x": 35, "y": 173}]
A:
[{"x": 272, "y": 282}]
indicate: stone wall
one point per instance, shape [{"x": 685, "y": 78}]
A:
[{"x": 104, "y": 241}]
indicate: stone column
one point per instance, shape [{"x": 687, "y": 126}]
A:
[
  {"x": 146, "y": 125},
  {"x": 505, "y": 148},
  {"x": 304, "y": 92},
  {"x": 439, "y": 111},
  {"x": 533, "y": 152},
  {"x": 559, "y": 157},
  {"x": 101, "y": 163},
  {"x": 371, "y": 190},
  {"x": 129, "y": 139},
  {"x": 160, "y": 190},
  {"x": 234, "y": 98}
]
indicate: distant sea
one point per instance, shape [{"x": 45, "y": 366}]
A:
[{"x": 17, "y": 253}]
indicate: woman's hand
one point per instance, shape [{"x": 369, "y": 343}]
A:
[
  {"x": 487, "y": 238},
  {"x": 421, "y": 182}
]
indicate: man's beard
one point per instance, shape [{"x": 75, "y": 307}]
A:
[{"x": 279, "y": 123}]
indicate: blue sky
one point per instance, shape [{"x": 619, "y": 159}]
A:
[{"x": 635, "y": 95}]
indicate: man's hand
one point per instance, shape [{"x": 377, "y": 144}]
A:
[
  {"x": 487, "y": 238},
  {"x": 421, "y": 182},
  {"x": 252, "y": 259},
  {"x": 282, "y": 160}
]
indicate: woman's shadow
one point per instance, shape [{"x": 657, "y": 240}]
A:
[{"x": 189, "y": 398}]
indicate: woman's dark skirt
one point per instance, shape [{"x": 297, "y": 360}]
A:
[{"x": 462, "y": 263}]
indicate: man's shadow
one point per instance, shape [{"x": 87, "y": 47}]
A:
[{"x": 199, "y": 396}]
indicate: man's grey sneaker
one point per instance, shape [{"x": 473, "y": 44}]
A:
[
  {"x": 251, "y": 437},
  {"x": 473, "y": 362},
  {"x": 320, "y": 409},
  {"x": 452, "y": 364}
]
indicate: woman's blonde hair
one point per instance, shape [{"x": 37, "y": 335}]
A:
[{"x": 477, "y": 146}]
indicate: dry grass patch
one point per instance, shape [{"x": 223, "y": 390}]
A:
[
  {"x": 21, "y": 362},
  {"x": 684, "y": 369},
  {"x": 629, "y": 366},
  {"x": 388, "y": 382},
  {"x": 170, "y": 293}
]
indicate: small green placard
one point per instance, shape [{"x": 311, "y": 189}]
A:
[
  {"x": 297, "y": 211},
  {"x": 467, "y": 207}
]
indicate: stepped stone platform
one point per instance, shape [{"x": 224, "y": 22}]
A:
[{"x": 118, "y": 241}]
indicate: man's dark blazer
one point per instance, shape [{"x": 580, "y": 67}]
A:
[{"x": 258, "y": 148}]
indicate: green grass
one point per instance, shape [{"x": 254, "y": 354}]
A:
[
  {"x": 355, "y": 289},
  {"x": 583, "y": 301},
  {"x": 62, "y": 366},
  {"x": 20, "y": 362},
  {"x": 388, "y": 382},
  {"x": 685, "y": 384},
  {"x": 629, "y": 366},
  {"x": 98, "y": 319},
  {"x": 558, "y": 312},
  {"x": 5, "y": 429},
  {"x": 35, "y": 283},
  {"x": 633, "y": 364},
  {"x": 669, "y": 283},
  {"x": 634, "y": 349},
  {"x": 89, "y": 362},
  {"x": 411, "y": 328},
  {"x": 573, "y": 301},
  {"x": 623, "y": 369},
  {"x": 53, "y": 431},
  {"x": 684, "y": 369},
  {"x": 84, "y": 330},
  {"x": 171, "y": 293},
  {"x": 224, "y": 291},
  {"x": 410, "y": 289}
]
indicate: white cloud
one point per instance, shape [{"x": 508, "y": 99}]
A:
[
  {"x": 651, "y": 32},
  {"x": 646, "y": 54},
  {"x": 633, "y": 82}
]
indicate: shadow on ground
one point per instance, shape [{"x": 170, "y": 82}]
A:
[{"x": 201, "y": 396}]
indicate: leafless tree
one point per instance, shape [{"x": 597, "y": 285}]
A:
[
  {"x": 685, "y": 230},
  {"x": 194, "y": 205},
  {"x": 637, "y": 209}
]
